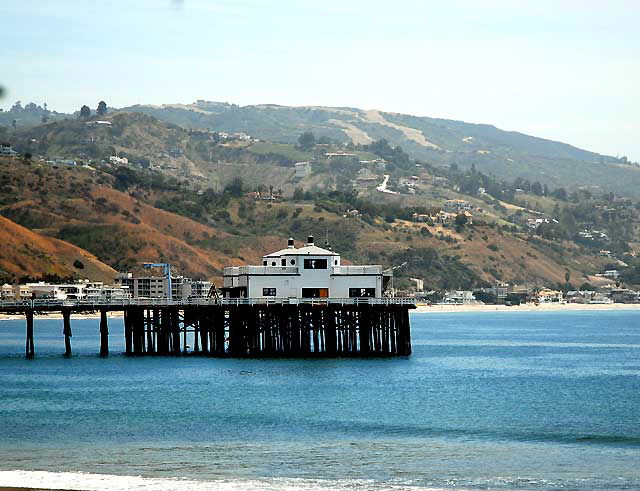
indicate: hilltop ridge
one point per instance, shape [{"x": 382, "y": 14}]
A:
[{"x": 506, "y": 154}]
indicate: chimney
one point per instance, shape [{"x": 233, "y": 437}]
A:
[
  {"x": 290, "y": 244},
  {"x": 310, "y": 240}
]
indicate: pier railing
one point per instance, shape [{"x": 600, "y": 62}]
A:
[{"x": 164, "y": 302}]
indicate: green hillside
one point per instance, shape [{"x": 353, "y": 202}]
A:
[{"x": 505, "y": 154}]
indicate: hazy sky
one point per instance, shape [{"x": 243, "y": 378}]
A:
[{"x": 561, "y": 69}]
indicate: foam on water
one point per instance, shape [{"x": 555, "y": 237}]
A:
[{"x": 108, "y": 482}]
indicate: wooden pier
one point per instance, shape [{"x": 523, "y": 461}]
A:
[{"x": 238, "y": 328}]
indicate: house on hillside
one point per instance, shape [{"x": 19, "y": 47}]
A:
[
  {"x": 421, "y": 218},
  {"x": 302, "y": 169},
  {"x": 98, "y": 123},
  {"x": 457, "y": 205},
  {"x": 444, "y": 217},
  {"x": 305, "y": 272},
  {"x": 7, "y": 151},
  {"x": 114, "y": 159},
  {"x": 264, "y": 196}
]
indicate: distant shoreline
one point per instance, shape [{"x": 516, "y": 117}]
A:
[
  {"x": 421, "y": 309},
  {"x": 58, "y": 315},
  {"x": 529, "y": 307}
]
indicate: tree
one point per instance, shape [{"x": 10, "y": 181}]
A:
[
  {"x": 298, "y": 194},
  {"x": 234, "y": 188},
  {"x": 85, "y": 112},
  {"x": 560, "y": 193},
  {"x": 307, "y": 140},
  {"x": 102, "y": 108},
  {"x": 461, "y": 219}
]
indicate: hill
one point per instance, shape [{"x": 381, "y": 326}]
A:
[
  {"x": 505, "y": 154},
  {"x": 126, "y": 217},
  {"x": 28, "y": 254}
]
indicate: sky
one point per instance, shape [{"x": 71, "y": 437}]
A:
[{"x": 566, "y": 70}]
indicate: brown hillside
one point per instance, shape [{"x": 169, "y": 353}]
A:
[
  {"x": 78, "y": 206},
  {"x": 26, "y": 253}
]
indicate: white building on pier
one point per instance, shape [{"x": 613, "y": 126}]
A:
[{"x": 305, "y": 272}]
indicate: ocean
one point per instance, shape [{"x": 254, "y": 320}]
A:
[{"x": 488, "y": 401}]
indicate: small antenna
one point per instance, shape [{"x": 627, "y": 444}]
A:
[{"x": 326, "y": 238}]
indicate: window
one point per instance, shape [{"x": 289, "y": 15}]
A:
[
  {"x": 315, "y": 264},
  {"x": 268, "y": 292},
  {"x": 315, "y": 292},
  {"x": 335, "y": 262},
  {"x": 264, "y": 263},
  {"x": 273, "y": 263},
  {"x": 293, "y": 261},
  {"x": 362, "y": 292},
  {"x": 283, "y": 262}
]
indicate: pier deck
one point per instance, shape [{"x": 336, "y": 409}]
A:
[{"x": 241, "y": 327}]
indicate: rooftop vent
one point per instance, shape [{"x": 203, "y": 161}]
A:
[
  {"x": 310, "y": 240},
  {"x": 290, "y": 244}
]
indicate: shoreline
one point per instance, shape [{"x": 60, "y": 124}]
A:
[
  {"x": 420, "y": 309},
  {"x": 529, "y": 307},
  {"x": 58, "y": 316}
]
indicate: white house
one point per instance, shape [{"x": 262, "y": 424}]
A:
[
  {"x": 305, "y": 272},
  {"x": 302, "y": 169},
  {"x": 458, "y": 205}
]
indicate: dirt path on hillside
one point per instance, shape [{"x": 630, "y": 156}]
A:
[
  {"x": 358, "y": 136},
  {"x": 374, "y": 116}
]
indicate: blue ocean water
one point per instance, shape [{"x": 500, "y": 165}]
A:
[{"x": 508, "y": 400}]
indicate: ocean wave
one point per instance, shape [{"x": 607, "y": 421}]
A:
[{"x": 80, "y": 481}]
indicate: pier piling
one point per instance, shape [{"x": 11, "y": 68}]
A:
[
  {"x": 30, "y": 349},
  {"x": 104, "y": 334},
  {"x": 66, "y": 330}
]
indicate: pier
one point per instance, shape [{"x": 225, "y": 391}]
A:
[{"x": 239, "y": 327}]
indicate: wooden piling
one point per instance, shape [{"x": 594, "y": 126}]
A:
[
  {"x": 104, "y": 334},
  {"x": 128, "y": 332},
  {"x": 30, "y": 349},
  {"x": 66, "y": 330}
]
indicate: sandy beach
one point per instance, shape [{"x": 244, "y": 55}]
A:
[{"x": 529, "y": 307}]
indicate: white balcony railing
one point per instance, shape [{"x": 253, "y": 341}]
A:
[
  {"x": 287, "y": 270},
  {"x": 114, "y": 304},
  {"x": 357, "y": 270}
]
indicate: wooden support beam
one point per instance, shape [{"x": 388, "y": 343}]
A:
[
  {"x": 30, "y": 349},
  {"x": 66, "y": 330},
  {"x": 104, "y": 334},
  {"x": 128, "y": 332},
  {"x": 175, "y": 330}
]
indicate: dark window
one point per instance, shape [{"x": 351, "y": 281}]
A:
[
  {"x": 264, "y": 263},
  {"x": 283, "y": 262},
  {"x": 293, "y": 261},
  {"x": 362, "y": 292},
  {"x": 335, "y": 262},
  {"x": 273, "y": 263},
  {"x": 315, "y": 264},
  {"x": 315, "y": 292},
  {"x": 268, "y": 292}
]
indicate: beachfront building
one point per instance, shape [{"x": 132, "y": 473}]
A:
[
  {"x": 547, "y": 295},
  {"x": 305, "y": 272},
  {"x": 460, "y": 297},
  {"x": 151, "y": 286}
]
